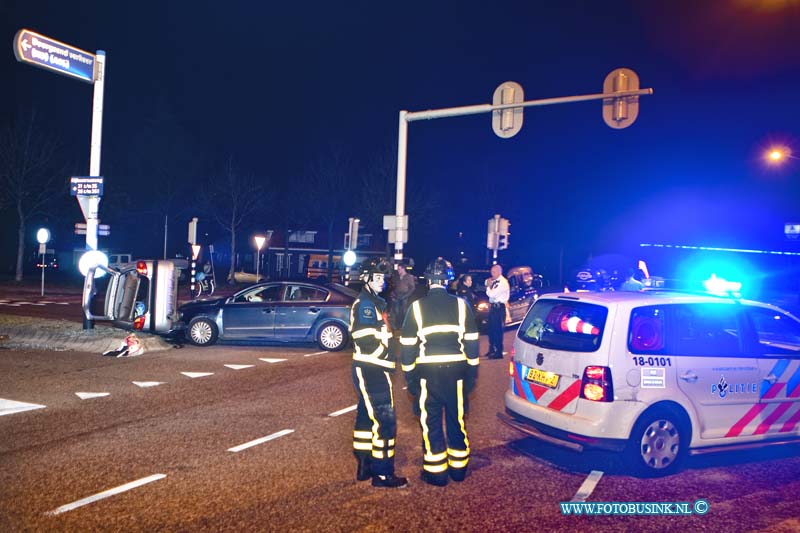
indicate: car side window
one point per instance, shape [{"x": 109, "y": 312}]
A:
[
  {"x": 776, "y": 332},
  {"x": 705, "y": 330},
  {"x": 646, "y": 330},
  {"x": 301, "y": 293},
  {"x": 270, "y": 293}
]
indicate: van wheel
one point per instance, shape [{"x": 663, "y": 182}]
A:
[
  {"x": 202, "y": 332},
  {"x": 658, "y": 443},
  {"x": 332, "y": 337}
]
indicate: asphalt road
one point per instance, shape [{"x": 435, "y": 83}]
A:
[{"x": 177, "y": 438}]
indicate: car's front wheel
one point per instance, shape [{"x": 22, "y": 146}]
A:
[
  {"x": 202, "y": 332},
  {"x": 332, "y": 337},
  {"x": 658, "y": 443}
]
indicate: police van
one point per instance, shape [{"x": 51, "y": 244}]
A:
[{"x": 655, "y": 374}]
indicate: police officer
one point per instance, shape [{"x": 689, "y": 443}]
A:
[
  {"x": 498, "y": 291},
  {"x": 376, "y": 426},
  {"x": 440, "y": 363}
]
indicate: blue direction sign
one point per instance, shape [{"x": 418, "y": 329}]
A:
[
  {"x": 86, "y": 186},
  {"x": 44, "y": 52}
]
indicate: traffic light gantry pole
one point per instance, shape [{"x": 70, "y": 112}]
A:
[{"x": 622, "y": 110}]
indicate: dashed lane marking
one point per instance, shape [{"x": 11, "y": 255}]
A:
[
  {"x": 239, "y": 367},
  {"x": 262, "y": 440},
  {"x": 89, "y": 395},
  {"x": 315, "y": 353},
  {"x": 270, "y": 360},
  {"x": 197, "y": 374},
  {"x": 343, "y": 411},
  {"x": 9, "y": 407},
  {"x": 145, "y": 384},
  {"x": 588, "y": 486},
  {"x": 107, "y": 493}
]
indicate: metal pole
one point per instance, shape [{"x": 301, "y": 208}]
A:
[
  {"x": 258, "y": 260},
  {"x": 495, "y": 244},
  {"x": 165, "y": 236},
  {"x": 43, "y": 264},
  {"x": 400, "y": 206},
  {"x": 94, "y": 158}
]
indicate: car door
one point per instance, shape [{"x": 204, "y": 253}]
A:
[
  {"x": 299, "y": 311},
  {"x": 716, "y": 369},
  {"x": 778, "y": 337},
  {"x": 251, "y": 314}
]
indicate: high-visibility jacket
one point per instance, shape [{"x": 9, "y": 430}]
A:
[
  {"x": 369, "y": 331},
  {"x": 439, "y": 329}
]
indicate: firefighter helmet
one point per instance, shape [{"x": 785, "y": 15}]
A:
[
  {"x": 374, "y": 266},
  {"x": 439, "y": 271}
]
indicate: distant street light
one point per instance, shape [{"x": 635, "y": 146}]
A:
[
  {"x": 43, "y": 237},
  {"x": 259, "y": 244},
  {"x": 779, "y": 154}
]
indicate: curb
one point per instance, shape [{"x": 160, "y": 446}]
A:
[{"x": 63, "y": 335}]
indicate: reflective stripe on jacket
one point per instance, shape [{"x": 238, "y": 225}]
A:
[
  {"x": 369, "y": 331},
  {"x": 439, "y": 329}
]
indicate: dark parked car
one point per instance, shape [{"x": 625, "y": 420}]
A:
[
  {"x": 282, "y": 311},
  {"x": 524, "y": 287}
]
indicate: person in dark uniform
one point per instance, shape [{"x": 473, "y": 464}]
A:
[
  {"x": 440, "y": 363},
  {"x": 464, "y": 288},
  {"x": 376, "y": 425}
]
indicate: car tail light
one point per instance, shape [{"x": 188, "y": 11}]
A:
[
  {"x": 511, "y": 368},
  {"x": 138, "y": 322},
  {"x": 597, "y": 385},
  {"x": 141, "y": 268}
]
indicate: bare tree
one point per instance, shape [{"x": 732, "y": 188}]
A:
[
  {"x": 28, "y": 181},
  {"x": 233, "y": 198},
  {"x": 379, "y": 193},
  {"x": 329, "y": 186}
]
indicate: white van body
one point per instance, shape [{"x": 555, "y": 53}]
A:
[{"x": 655, "y": 373}]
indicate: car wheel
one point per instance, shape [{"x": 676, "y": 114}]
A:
[
  {"x": 658, "y": 443},
  {"x": 332, "y": 337},
  {"x": 202, "y": 332}
]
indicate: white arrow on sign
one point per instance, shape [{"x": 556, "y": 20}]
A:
[{"x": 25, "y": 45}]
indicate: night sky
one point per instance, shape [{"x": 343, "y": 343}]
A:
[{"x": 274, "y": 84}]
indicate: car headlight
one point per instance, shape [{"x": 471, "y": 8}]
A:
[{"x": 483, "y": 306}]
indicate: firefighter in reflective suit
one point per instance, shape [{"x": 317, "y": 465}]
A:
[
  {"x": 376, "y": 425},
  {"x": 440, "y": 363}
]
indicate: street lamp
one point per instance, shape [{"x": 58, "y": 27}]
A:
[
  {"x": 779, "y": 154},
  {"x": 43, "y": 237},
  {"x": 259, "y": 244}
]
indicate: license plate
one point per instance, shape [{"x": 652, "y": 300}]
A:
[{"x": 548, "y": 379}]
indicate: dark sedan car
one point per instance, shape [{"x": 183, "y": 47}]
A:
[{"x": 281, "y": 311}]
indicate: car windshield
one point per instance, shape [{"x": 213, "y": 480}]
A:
[
  {"x": 347, "y": 290},
  {"x": 564, "y": 325}
]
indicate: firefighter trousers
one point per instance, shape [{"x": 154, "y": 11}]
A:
[
  {"x": 376, "y": 425},
  {"x": 443, "y": 399}
]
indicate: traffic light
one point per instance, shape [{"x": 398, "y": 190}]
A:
[
  {"x": 502, "y": 242},
  {"x": 503, "y": 226}
]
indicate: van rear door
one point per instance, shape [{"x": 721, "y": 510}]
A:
[{"x": 560, "y": 337}]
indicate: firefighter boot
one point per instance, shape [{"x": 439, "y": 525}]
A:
[
  {"x": 391, "y": 481},
  {"x": 364, "y": 471}
]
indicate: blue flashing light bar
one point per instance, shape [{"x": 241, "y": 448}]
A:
[{"x": 714, "y": 249}]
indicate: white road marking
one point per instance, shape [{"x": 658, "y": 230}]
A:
[
  {"x": 239, "y": 367},
  {"x": 9, "y": 407},
  {"x": 62, "y": 303},
  {"x": 144, "y": 384},
  {"x": 315, "y": 353},
  {"x": 9, "y": 305},
  {"x": 270, "y": 360},
  {"x": 107, "y": 493},
  {"x": 88, "y": 395},
  {"x": 343, "y": 411},
  {"x": 260, "y": 441},
  {"x": 197, "y": 374},
  {"x": 588, "y": 486},
  {"x": 36, "y": 303}
]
